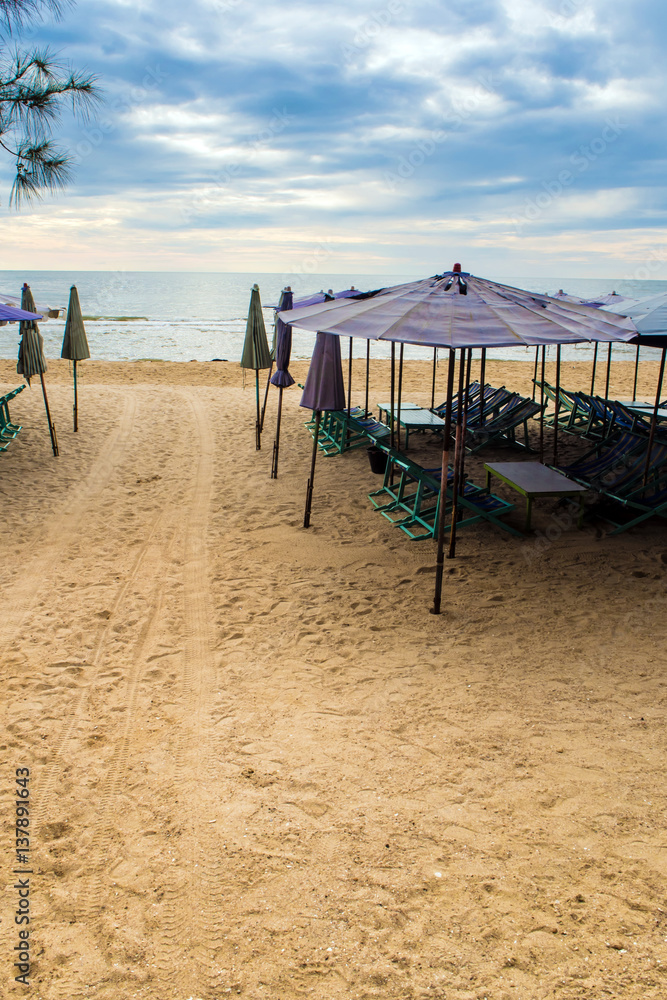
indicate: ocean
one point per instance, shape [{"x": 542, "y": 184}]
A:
[{"x": 189, "y": 316}]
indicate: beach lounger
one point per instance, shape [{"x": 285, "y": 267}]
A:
[
  {"x": 516, "y": 413},
  {"x": 412, "y": 504},
  {"x": 8, "y": 430},
  {"x": 618, "y": 465},
  {"x": 638, "y": 505},
  {"x": 341, "y": 430}
]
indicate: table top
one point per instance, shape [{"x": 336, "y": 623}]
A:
[
  {"x": 417, "y": 417},
  {"x": 533, "y": 478},
  {"x": 404, "y": 406},
  {"x": 647, "y": 410}
]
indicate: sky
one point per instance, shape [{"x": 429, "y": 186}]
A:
[{"x": 519, "y": 137}]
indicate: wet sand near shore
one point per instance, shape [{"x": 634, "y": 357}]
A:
[{"x": 260, "y": 767}]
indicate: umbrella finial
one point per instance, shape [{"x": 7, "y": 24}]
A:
[{"x": 456, "y": 269}]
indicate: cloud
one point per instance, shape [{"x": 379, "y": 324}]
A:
[{"x": 230, "y": 117}]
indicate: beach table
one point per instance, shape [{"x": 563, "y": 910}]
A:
[
  {"x": 647, "y": 410},
  {"x": 413, "y": 417},
  {"x": 386, "y": 407},
  {"x": 531, "y": 480}
]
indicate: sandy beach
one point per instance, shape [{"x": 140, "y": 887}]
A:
[{"x": 260, "y": 767}]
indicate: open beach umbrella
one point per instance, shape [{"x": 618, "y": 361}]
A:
[
  {"x": 650, "y": 317},
  {"x": 256, "y": 352},
  {"x": 11, "y": 314},
  {"x": 282, "y": 379},
  {"x": 31, "y": 357},
  {"x": 324, "y": 390},
  {"x": 458, "y": 310},
  {"x": 75, "y": 342},
  {"x": 46, "y": 312}
]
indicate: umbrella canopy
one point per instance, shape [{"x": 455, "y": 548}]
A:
[
  {"x": 75, "y": 342},
  {"x": 650, "y": 317},
  {"x": 256, "y": 352},
  {"x": 611, "y": 300},
  {"x": 324, "y": 388},
  {"x": 11, "y": 314},
  {"x": 282, "y": 377},
  {"x": 456, "y": 310},
  {"x": 566, "y": 297},
  {"x": 46, "y": 312},
  {"x": 31, "y": 350}
]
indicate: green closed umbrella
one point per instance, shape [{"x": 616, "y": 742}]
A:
[
  {"x": 256, "y": 352},
  {"x": 75, "y": 342},
  {"x": 31, "y": 357}
]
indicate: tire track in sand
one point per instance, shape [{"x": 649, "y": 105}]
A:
[
  {"x": 23, "y": 593},
  {"x": 193, "y": 910},
  {"x": 149, "y": 579}
]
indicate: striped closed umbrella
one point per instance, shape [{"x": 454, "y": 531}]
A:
[
  {"x": 75, "y": 342},
  {"x": 31, "y": 357},
  {"x": 256, "y": 352}
]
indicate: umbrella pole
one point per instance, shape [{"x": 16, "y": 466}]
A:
[
  {"x": 466, "y": 397},
  {"x": 435, "y": 361},
  {"x": 537, "y": 354},
  {"x": 606, "y": 388},
  {"x": 52, "y": 429},
  {"x": 557, "y": 405},
  {"x": 654, "y": 421},
  {"x": 542, "y": 404},
  {"x": 392, "y": 441},
  {"x": 76, "y": 401},
  {"x": 442, "y": 502},
  {"x": 460, "y": 431},
  {"x": 276, "y": 443},
  {"x": 482, "y": 376},
  {"x": 634, "y": 387},
  {"x": 266, "y": 396},
  {"x": 368, "y": 370},
  {"x": 606, "y": 395},
  {"x": 309, "y": 487},
  {"x": 349, "y": 393},
  {"x": 258, "y": 424},
  {"x": 393, "y": 387},
  {"x": 595, "y": 359},
  {"x": 400, "y": 393}
]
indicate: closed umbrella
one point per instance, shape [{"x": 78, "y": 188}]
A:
[
  {"x": 282, "y": 379},
  {"x": 256, "y": 352},
  {"x": 324, "y": 390},
  {"x": 75, "y": 342},
  {"x": 31, "y": 357}
]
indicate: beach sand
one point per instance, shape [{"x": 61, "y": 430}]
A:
[{"x": 260, "y": 767}]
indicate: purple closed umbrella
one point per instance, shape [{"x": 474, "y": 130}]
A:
[
  {"x": 324, "y": 390},
  {"x": 282, "y": 378}
]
